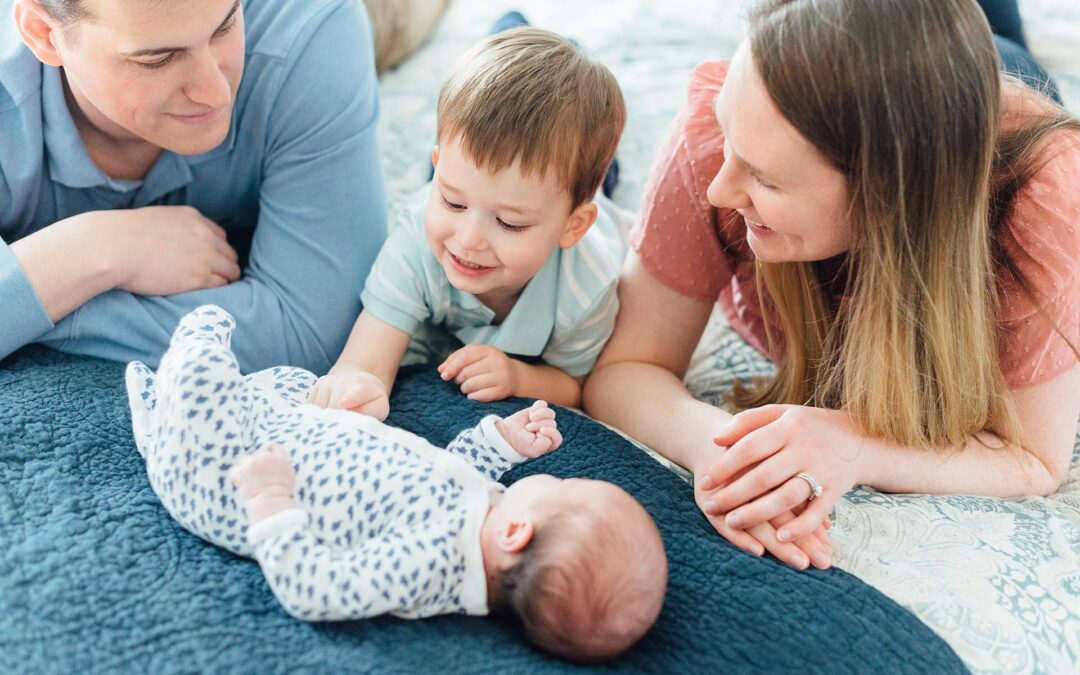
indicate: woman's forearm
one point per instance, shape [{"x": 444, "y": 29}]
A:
[
  {"x": 985, "y": 466},
  {"x": 652, "y": 405}
]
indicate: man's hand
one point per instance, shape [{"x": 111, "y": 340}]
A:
[{"x": 164, "y": 250}]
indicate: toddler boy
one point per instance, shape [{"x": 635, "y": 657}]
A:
[{"x": 510, "y": 248}]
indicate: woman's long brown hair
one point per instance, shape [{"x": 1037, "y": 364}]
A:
[{"x": 904, "y": 97}]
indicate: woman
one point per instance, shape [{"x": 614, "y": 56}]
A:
[{"x": 895, "y": 224}]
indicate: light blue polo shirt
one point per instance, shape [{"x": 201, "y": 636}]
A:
[
  {"x": 565, "y": 314},
  {"x": 300, "y": 169}
]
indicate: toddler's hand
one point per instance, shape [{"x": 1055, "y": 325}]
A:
[
  {"x": 484, "y": 372},
  {"x": 265, "y": 480},
  {"x": 532, "y": 432},
  {"x": 358, "y": 391}
]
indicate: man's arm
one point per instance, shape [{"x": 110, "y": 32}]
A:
[{"x": 321, "y": 222}]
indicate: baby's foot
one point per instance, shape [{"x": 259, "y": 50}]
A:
[
  {"x": 531, "y": 432},
  {"x": 208, "y": 322},
  {"x": 142, "y": 398}
]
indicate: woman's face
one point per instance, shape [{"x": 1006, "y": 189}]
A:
[{"x": 793, "y": 200}]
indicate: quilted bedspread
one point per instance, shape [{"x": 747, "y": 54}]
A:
[
  {"x": 96, "y": 577},
  {"x": 998, "y": 579}
]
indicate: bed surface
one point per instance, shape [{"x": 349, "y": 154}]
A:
[
  {"x": 999, "y": 580},
  {"x": 96, "y": 577}
]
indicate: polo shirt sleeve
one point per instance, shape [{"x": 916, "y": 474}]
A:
[
  {"x": 322, "y": 218},
  {"x": 587, "y": 301},
  {"x": 575, "y": 348},
  {"x": 397, "y": 291},
  {"x": 22, "y": 317}
]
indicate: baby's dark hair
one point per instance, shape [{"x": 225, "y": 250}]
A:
[{"x": 565, "y": 595}]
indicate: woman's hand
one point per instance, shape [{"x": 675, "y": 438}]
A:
[
  {"x": 757, "y": 479},
  {"x": 814, "y": 549}
]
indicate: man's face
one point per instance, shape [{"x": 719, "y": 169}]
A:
[{"x": 161, "y": 72}]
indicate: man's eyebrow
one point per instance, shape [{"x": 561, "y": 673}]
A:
[
  {"x": 753, "y": 169},
  {"x": 159, "y": 51}
]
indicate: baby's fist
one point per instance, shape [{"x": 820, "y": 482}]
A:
[{"x": 532, "y": 432}]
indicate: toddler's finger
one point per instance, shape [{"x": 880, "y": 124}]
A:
[{"x": 486, "y": 395}]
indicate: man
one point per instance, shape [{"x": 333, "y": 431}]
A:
[{"x": 144, "y": 143}]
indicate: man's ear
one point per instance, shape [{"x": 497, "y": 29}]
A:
[
  {"x": 39, "y": 31},
  {"x": 581, "y": 219},
  {"x": 434, "y": 156},
  {"x": 514, "y": 535}
]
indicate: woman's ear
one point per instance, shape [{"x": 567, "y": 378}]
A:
[
  {"x": 579, "y": 222},
  {"x": 39, "y": 31},
  {"x": 514, "y": 535}
]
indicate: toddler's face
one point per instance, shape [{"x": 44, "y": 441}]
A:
[{"x": 492, "y": 232}]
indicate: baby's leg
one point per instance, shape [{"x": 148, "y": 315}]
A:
[{"x": 198, "y": 427}]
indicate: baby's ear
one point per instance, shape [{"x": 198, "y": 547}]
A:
[
  {"x": 579, "y": 222},
  {"x": 514, "y": 535}
]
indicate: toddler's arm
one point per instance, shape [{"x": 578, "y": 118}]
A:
[
  {"x": 364, "y": 374},
  {"x": 495, "y": 445}
]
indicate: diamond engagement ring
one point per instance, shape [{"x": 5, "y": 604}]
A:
[{"x": 815, "y": 487}]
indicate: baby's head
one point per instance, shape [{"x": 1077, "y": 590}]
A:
[
  {"x": 579, "y": 562},
  {"x": 527, "y": 127}
]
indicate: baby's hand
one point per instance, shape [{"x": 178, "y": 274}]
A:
[
  {"x": 532, "y": 432},
  {"x": 265, "y": 479},
  {"x": 357, "y": 391},
  {"x": 484, "y": 372}
]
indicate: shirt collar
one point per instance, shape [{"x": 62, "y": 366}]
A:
[
  {"x": 69, "y": 162},
  {"x": 526, "y": 329}
]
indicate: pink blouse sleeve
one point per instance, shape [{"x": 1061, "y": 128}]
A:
[
  {"x": 1042, "y": 235},
  {"x": 676, "y": 237}
]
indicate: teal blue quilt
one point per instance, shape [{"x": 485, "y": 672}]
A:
[{"x": 95, "y": 576}]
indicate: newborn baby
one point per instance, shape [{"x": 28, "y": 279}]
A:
[{"x": 350, "y": 518}]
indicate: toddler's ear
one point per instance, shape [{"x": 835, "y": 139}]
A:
[
  {"x": 581, "y": 219},
  {"x": 434, "y": 155},
  {"x": 514, "y": 535}
]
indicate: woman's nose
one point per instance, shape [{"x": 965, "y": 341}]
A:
[{"x": 725, "y": 191}]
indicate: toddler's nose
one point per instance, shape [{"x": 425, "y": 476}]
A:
[{"x": 471, "y": 235}]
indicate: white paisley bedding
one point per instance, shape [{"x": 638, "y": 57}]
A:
[{"x": 999, "y": 580}]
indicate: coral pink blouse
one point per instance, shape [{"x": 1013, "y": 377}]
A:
[{"x": 681, "y": 244}]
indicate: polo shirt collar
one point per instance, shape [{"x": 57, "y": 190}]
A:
[{"x": 526, "y": 329}]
